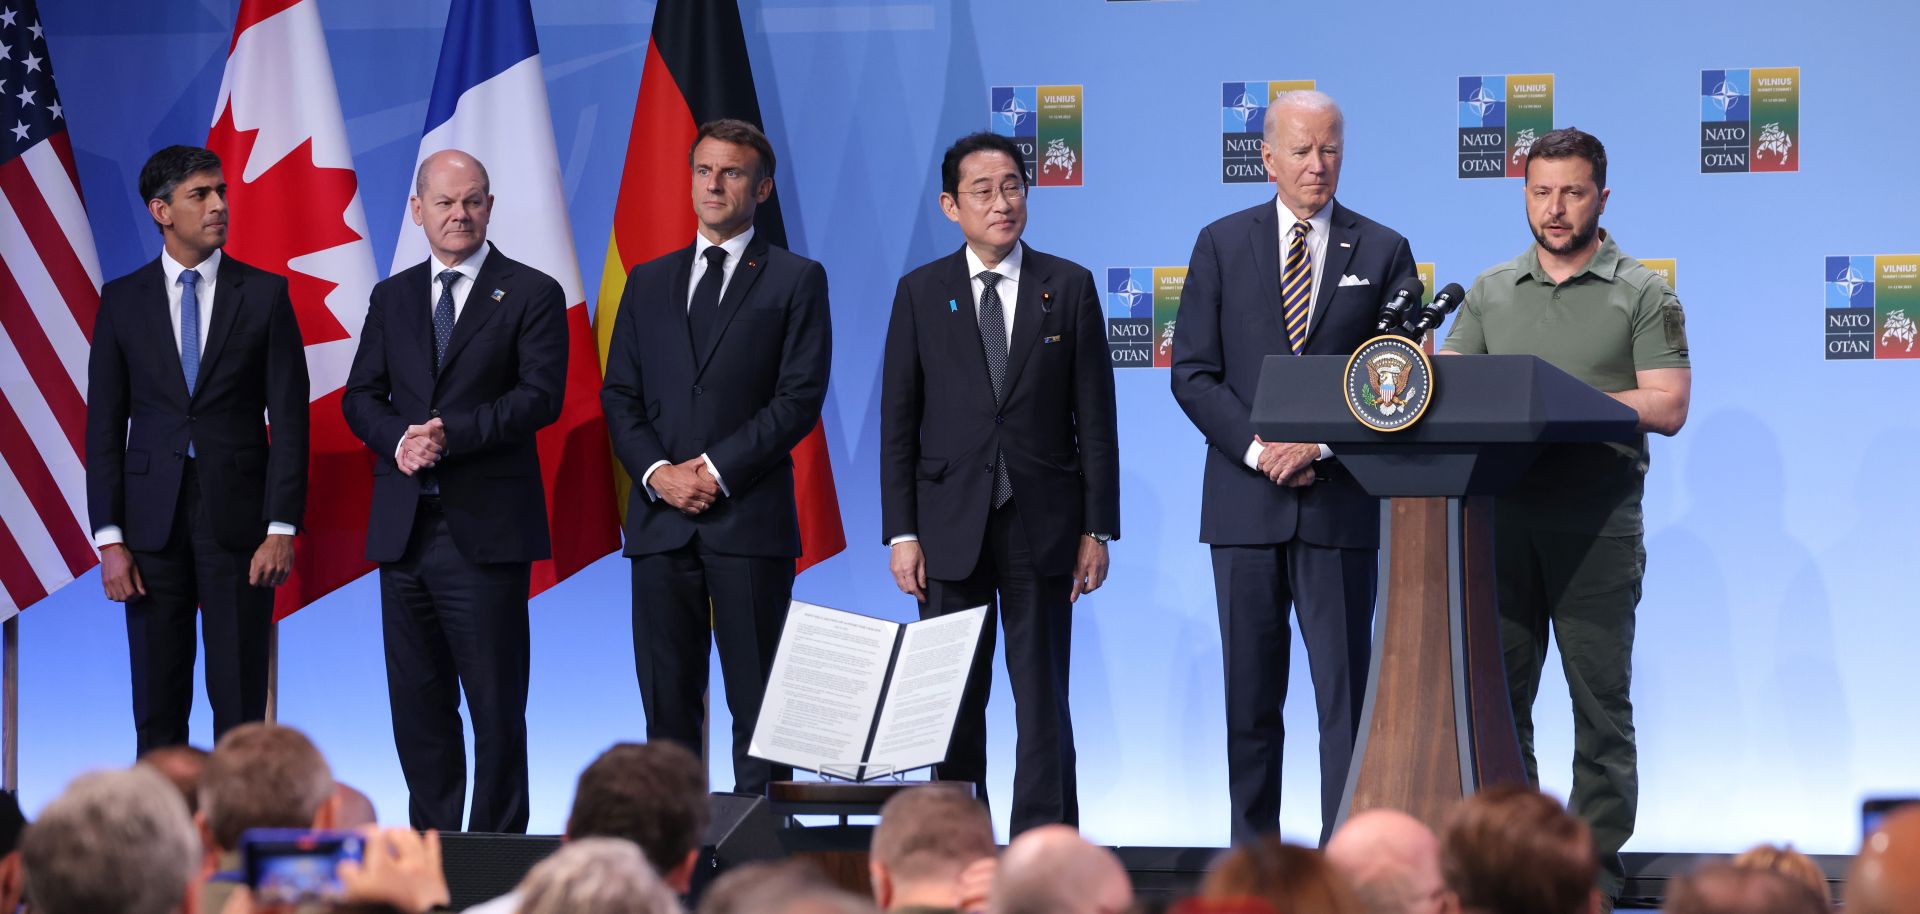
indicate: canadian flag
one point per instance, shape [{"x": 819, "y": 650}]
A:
[{"x": 294, "y": 209}]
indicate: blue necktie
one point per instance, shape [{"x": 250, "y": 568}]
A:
[
  {"x": 443, "y": 318},
  {"x": 190, "y": 335}
]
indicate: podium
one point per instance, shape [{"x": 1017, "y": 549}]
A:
[{"x": 1437, "y": 723}]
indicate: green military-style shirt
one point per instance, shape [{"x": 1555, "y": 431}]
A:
[{"x": 1611, "y": 319}]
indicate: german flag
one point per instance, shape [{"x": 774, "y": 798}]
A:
[{"x": 697, "y": 71}]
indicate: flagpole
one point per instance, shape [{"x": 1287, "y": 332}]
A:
[
  {"x": 273, "y": 672},
  {"x": 10, "y": 705}
]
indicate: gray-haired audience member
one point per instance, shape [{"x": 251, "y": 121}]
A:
[
  {"x": 1052, "y": 870},
  {"x": 1885, "y": 876},
  {"x": 115, "y": 841},
  {"x": 926, "y": 837},
  {"x": 596, "y": 876},
  {"x": 1392, "y": 861},
  {"x": 785, "y": 887},
  {"x": 1726, "y": 888}
]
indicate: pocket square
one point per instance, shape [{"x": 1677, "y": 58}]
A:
[{"x": 1351, "y": 280}]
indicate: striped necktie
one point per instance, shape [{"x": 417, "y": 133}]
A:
[{"x": 1296, "y": 287}]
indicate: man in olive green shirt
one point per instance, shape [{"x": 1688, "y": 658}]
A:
[{"x": 1568, "y": 547}]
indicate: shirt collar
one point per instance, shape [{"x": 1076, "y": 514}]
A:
[
  {"x": 734, "y": 246},
  {"x": 469, "y": 268},
  {"x": 171, "y": 268},
  {"x": 1009, "y": 266},
  {"x": 1321, "y": 222},
  {"x": 1604, "y": 263}
]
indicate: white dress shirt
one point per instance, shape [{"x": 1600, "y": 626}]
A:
[
  {"x": 736, "y": 247},
  {"x": 1320, "y": 226},
  {"x": 208, "y": 271}
]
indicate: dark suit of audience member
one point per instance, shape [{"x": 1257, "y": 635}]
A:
[
  {"x": 1287, "y": 524},
  {"x": 194, "y": 505},
  {"x": 717, "y": 369},
  {"x": 999, "y": 462},
  {"x": 462, "y": 359}
]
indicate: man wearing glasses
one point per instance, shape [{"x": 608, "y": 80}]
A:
[{"x": 999, "y": 462}]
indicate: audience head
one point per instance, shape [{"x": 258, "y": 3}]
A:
[
  {"x": 1270, "y": 874},
  {"x": 596, "y": 876},
  {"x": 1728, "y": 888},
  {"x": 351, "y": 808},
  {"x": 181, "y": 765},
  {"x": 12, "y": 874},
  {"x": 263, "y": 776},
  {"x": 783, "y": 887},
  {"x": 652, "y": 794},
  {"x": 1514, "y": 850},
  {"x": 1052, "y": 870},
  {"x": 118, "y": 841},
  {"x": 1787, "y": 862},
  {"x": 1392, "y": 861},
  {"x": 1885, "y": 876},
  {"x": 926, "y": 837}
]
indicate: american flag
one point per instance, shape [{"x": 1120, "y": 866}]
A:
[{"x": 49, "y": 291}]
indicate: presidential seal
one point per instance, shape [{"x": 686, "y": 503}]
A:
[{"x": 1389, "y": 383}]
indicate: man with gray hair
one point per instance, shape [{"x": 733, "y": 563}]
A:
[
  {"x": 926, "y": 837},
  {"x": 117, "y": 841},
  {"x": 1392, "y": 861},
  {"x": 596, "y": 876},
  {"x": 1052, "y": 870},
  {"x": 1287, "y": 524}
]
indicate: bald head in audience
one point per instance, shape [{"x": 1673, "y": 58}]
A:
[
  {"x": 1392, "y": 860},
  {"x": 1052, "y": 870},
  {"x": 1885, "y": 877},
  {"x": 352, "y": 809},
  {"x": 1729, "y": 888}
]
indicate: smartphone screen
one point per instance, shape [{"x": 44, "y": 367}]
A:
[{"x": 293, "y": 866}]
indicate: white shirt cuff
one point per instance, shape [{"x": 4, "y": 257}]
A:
[
  {"x": 651, "y": 494},
  {"x": 716, "y": 475},
  {"x": 903, "y": 538},
  {"x": 107, "y": 536},
  {"x": 398, "y": 445},
  {"x": 1252, "y": 459},
  {"x": 1325, "y": 452},
  {"x": 276, "y": 528}
]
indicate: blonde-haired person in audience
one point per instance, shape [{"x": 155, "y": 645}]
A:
[{"x": 1788, "y": 862}]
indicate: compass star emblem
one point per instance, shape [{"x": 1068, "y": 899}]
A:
[
  {"x": 1131, "y": 293},
  {"x": 1481, "y": 101},
  {"x": 1013, "y": 112},
  {"x": 1245, "y": 107},
  {"x": 1724, "y": 96},
  {"x": 1850, "y": 280}
]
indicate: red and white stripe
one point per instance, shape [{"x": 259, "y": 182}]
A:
[{"x": 49, "y": 294}]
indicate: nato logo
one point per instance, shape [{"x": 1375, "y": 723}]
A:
[
  {"x": 1243, "y": 113},
  {"x": 1130, "y": 332},
  {"x": 1483, "y": 126},
  {"x": 1850, "y": 322},
  {"x": 1015, "y": 111},
  {"x": 1726, "y": 121}
]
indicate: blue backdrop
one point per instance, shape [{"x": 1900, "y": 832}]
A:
[{"x": 1773, "y": 687}]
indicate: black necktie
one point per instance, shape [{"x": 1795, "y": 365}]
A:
[
  {"x": 993, "y": 339},
  {"x": 443, "y": 318},
  {"x": 704, "y": 313}
]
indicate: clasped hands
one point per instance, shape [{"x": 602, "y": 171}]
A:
[
  {"x": 688, "y": 486},
  {"x": 422, "y": 446},
  {"x": 1288, "y": 464}
]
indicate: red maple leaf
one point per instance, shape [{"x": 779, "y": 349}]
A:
[{"x": 290, "y": 210}]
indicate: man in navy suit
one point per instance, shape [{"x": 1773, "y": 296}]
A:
[
  {"x": 192, "y": 504},
  {"x": 462, "y": 359},
  {"x": 717, "y": 369},
  {"x": 999, "y": 462},
  {"x": 1287, "y": 524}
]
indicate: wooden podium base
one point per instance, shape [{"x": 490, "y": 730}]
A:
[{"x": 1437, "y": 724}]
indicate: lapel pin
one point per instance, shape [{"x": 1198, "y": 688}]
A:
[
  {"x": 1054, "y": 339},
  {"x": 1346, "y": 244},
  {"x": 751, "y": 263},
  {"x": 499, "y": 294},
  {"x": 1046, "y": 302},
  {"x": 953, "y": 304}
]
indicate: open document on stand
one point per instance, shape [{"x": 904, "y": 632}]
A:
[{"x": 854, "y": 693}]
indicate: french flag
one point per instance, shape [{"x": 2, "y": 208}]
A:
[{"x": 490, "y": 101}]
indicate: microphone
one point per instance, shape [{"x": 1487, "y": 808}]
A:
[
  {"x": 1394, "y": 312},
  {"x": 1443, "y": 304}
]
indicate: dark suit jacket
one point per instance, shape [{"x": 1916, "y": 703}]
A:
[
  {"x": 139, "y": 417},
  {"x": 940, "y": 426},
  {"x": 1230, "y": 321},
  {"x": 503, "y": 380},
  {"x": 744, "y": 399}
]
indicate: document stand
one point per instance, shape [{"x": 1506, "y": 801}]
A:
[{"x": 1437, "y": 723}]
